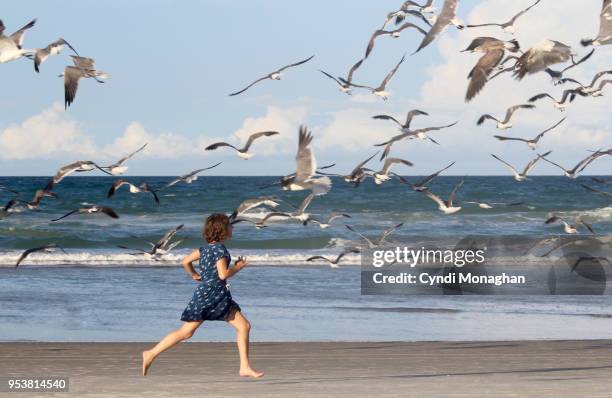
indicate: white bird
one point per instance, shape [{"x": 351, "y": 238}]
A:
[
  {"x": 189, "y": 177},
  {"x": 404, "y": 128},
  {"x": 419, "y": 133},
  {"x": 445, "y": 206},
  {"x": 504, "y": 124},
  {"x": 563, "y": 102},
  {"x": 605, "y": 27},
  {"x": 54, "y": 48},
  {"x": 144, "y": 187},
  {"x": 579, "y": 167},
  {"x": 373, "y": 243},
  {"x": 50, "y": 248},
  {"x": 10, "y": 46},
  {"x": 78, "y": 166},
  {"x": 243, "y": 152},
  {"x": 380, "y": 91},
  {"x": 522, "y": 176},
  {"x": 249, "y": 204},
  {"x": 162, "y": 246},
  {"x": 84, "y": 68},
  {"x": 532, "y": 143},
  {"x": 482, "y": 205},
  {"x": 358, "y": 174},
  {"x": 334, "y": 262},
  {"x": 306, "y": 168},
  {"x": 91, "y": 209},
  {"x": 592, "y": 86},
  {"x": 569, "y": 228},
  {"x": 507, "y": 26},
  {"x": 118, "y": 168},
  {"x": 383, "y": 175},
  {"x": 327, "y": 223},
  {"x": 420, "y": 186},
  {"x": 276, "y": 75},
  {"x": 401, "y": 14},
  {"x": 345, "y": 84},
  {"x": 300, "y": 214},
  {"x": 541, "y": 56},
  {"x": 393, "y": 33},
  {"x": 447, "y": 16}
]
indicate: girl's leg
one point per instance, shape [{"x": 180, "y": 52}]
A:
[
  {"x": 173, "y": 338},
  {"x": 243, "y": 327}
]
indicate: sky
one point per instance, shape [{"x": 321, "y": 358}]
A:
[{"x": 172, "y": 67}]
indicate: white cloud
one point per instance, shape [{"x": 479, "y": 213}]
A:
[{"x": 50, "y": 133}]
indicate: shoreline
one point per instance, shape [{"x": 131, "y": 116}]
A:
[{"x": 550, "y": 368}]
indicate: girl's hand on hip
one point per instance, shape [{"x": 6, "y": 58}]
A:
[{"x": 196, "y": 277}]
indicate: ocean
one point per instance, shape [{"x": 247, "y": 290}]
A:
[{"x": 99, "y": 292}]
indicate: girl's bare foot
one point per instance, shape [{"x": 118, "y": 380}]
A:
[
  {"x": 250, "y": 372},
  {"x": 146, "y": 362}
]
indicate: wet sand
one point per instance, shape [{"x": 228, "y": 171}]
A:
[{"x": 395, "y": 369}]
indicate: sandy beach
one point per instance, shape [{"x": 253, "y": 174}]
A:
[{"x": 450, "y": 369}]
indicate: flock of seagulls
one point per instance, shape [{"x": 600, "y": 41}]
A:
[{"x": 496, "y": 55}]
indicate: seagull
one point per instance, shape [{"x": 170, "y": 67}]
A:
[
  {"x": 598, "y": 92},
  {"x": 54, "y": 48},
  {"x": 358, "y": 174},
  {"x": 243, "y": 152},
  {"x": 39, "y": 195},
  {"x": 306, "y": 167},
  {"x": 393, "y": 33},
  {"x": 246, "y": 205},
  {"x": 588, "y": 188},
  {"x": 51, "y": 247},
  {"x": 10, "y": 46},
  {"x": 79, "y": 166},
  {"x": 557, "y": 75},
  {"x": 605, "y": 27},
  {"x": 522, "y": 176},
  {"x": 445, "y": 206},
  {"x": 334, "y": 263},
  {"x": 91, "y": 209},
  {"x": 327, "y": 223},
  {"x": 276, "y": 75},
  {"x": 162, "y": 246},
  {"x": 378, "y": 241},
  {"x": 383, "y": 175},
  {"x": 508, "y": 26},
  {"x": 494, "y": 50},
  {"x": 569, "y": 228},
  {"x": 380, "y": 90},
  {"x": 189, "y": 177},
  {"x": 482, "y": 205},
  {"x": 504, "y": 124},
  {"x": 118, "y": 168},
  {"x": 420, "y": 133},
  {"x": 596, "y": 155},
  {"x": 144, "y": 187},
  {"x": 345, "y": 84},
  {"x": 447, "y": 16},
  {"x": 72, "y": 74},
  {"x": 300, "y": 214},
  {"x": 591, "y": 87},
  {"x": 401, "y": 14},
  {"x": 562, "y": 103},
  {"x": 420, "y": 186},
  {"x": 541, "y": 56},
  {"x": 533, "y": 142},
  {"x": 573, "y": 173},
  {"x": 404, "y": 128}
]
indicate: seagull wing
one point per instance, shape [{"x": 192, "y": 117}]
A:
[
  {"x": 507, "y": 164},
  {"x": 66, "y": 215},
  {"x": 349, "y": 78},
  {"x": 116, "y": 185},
  {"x": 600, "y": 74},
  {"x": 17, "y": 37},
  {"x": 108, "y": 211},
  {"x": 71, "y": 83},
  {"x": 216, "y": 145},
  {"x": 451, "y": 197},
  {"x": 514, "y": 108},
  {"x": 387, "y": 117},
  {"x": 535, "y": 160},
  {"x": 360, "y": 165},
  {"x": 501, "y": 138},
  {"x": 250, "y": 85},
  {"x": 432, "y": 176},
  {"x": 83, "y": 62},
  {"x": 434, "y": 197},
  {"x": 446, "y": 16},
  {"x": 540, "y": 96},
  {"x": 331, "y": 77},
  {"x": 391, "y": 161},
  {"x": 305, "y": 203},
  {"x": 123, "y": 159},
  {"x": 514, "y": 18},
  {"x": 306, "y": 164},
  {"x": 391, "y": 74},
  {"x": 485, "y": 117},
  {"x": 548, "y": 129},
  {"x": 370, "y": 243},
  {"x": 411, "y": 114},
  {"x": 255, "y": 136},
  {"x": 318, "y": 258},
  {"x": 388, "y": 232},
  {"x": 479, "y": 75},
  {"x": 295, "y": 64},
  {"x": 373, "y": 38}
]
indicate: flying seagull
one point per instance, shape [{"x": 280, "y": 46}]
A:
[
  {"x": 563, "y": 102},
  {"x": 522, "y": 176},
  {"x": 393, "y": 33},
  {"x": 558, "y": 75},
  {"x": 10, "y": 46},
  {"x": 573, "y": 173},
  {"x": 494, "y": 50},
  {"x": 373, "y": 243},
  {"x": 306, "y": 168},
  {"x": 532, "y": 143},
  {"x": 162, "y": 246},
  {"x": 505, "y": 124},
  {"x": 446, "y": 17},
  {"x": 91, "y": 209},
  {"x": 78, "y": 166},
  {"x": 39, "y": 195},
  {"x": 300, "y": 214},
  {"x": 54, "y": 48},
  {"x": 383, "y": 175},
  {"x": 445, "y": 206},
  {"x": 380, "y": 90},
  {"x": 345, "y": 84},
  {"x": 334, "y": 262},
  {"x": 404, "y": 128},
  {"x": 189, "y": 177},
  {"x": 118, "y": 168},
  {"x": 358, "y": 174},
  {"x": 51, "y": 247},
  {"x": 276, "y": 75},
  {"x": 401, "y": 14},
  {"x": 248, "y": 204},
  {"x": 605, "y": 27},
  {"x": 144, "y": 187},
  {"x": 569, "y": 228},
  {"x": 419, "y": 133},
  {"x": 508, "y": 26},
  {"x": 420, "y": 186},
  {"x": 592, "y": 86},
  {"x": 541, "y": 56},
  {"x": 327, "y": 223},
  {"x": 243, "y": 152},
  {"x": 84, "y": 68}
]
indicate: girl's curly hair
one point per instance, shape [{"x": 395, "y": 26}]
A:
[{"x": 216, "y": 228}]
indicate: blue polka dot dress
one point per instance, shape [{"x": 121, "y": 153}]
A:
[{"x": 212, "y": 300}]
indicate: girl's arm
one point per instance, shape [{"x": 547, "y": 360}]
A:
[
  {"x": 186, "y": 263},
  {"x": 225, "y": 272}
]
